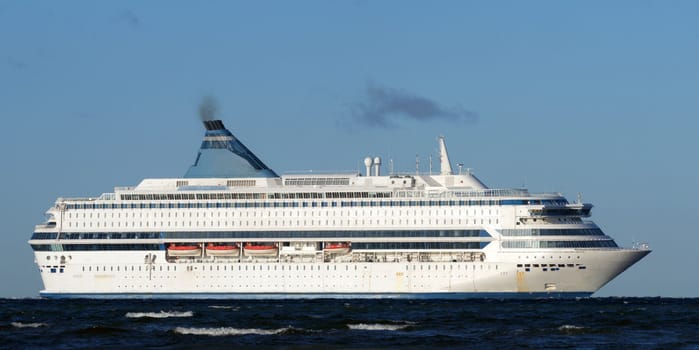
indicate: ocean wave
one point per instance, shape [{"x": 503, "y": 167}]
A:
[
  {"x": 99, "y": 330},
  {"x": 28, "y": 325},
  {"x": 570, "y": 328},
  {"x": 221, "y": 331},
  {"x": 377, "y": 326},
  {"x": 161, "y": 314},
  {"x": 234, "y": 308}
]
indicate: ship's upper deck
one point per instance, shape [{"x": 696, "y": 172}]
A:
[
  {"x": 311, "y": 187},
  {"x": 226, "y": 169}
]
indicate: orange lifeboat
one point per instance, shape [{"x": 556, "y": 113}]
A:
[
  {"x": 183, "y": 250},
  {"x": 254, "y": 249},
  {"x": 337, "y": 248},
  {"x": 222, "y": 250}
]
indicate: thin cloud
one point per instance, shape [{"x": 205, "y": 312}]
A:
[
  {"x": 15, "y": 63},
  {"x": 386, "y": 107}
]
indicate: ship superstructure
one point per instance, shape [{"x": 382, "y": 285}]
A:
[{"x": 233, "y": 228}]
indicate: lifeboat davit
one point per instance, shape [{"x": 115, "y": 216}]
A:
[
  {"x": 337, "y": 248},
  {"x": 251, "y": 249},
  {"x": 183, "y": 250},
  {"x": 222, "y": 250}
]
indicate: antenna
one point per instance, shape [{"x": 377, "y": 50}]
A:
[
  {"x": 390, "y": 166},
  {"x": 377, "y": 166},
  {"x": 430, "y": 158},
  {"x": 368, "y": 162},
  {"x": 417, "y": 164}
]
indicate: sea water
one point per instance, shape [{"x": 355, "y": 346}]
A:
[{"x": 586, "y": 323}]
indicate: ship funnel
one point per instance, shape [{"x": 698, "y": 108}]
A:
[
  {"x": 222, "y": 155},
  {"x": 211, "y": 125},
  {"x": 444, "y": 158}
]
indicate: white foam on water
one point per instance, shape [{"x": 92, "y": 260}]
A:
[
  {"x": 234, "y": 308},
  {"x": 569, "y": 327},
  {"x": 376, "y": 326},
  {"x": 221, "y": 331},
  {"x": 28, "y": 325},
  {"x": 161, "y": 314}
]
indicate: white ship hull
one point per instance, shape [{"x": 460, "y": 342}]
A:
[{"x": 89, "y": 275}]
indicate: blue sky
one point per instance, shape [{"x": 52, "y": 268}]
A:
[{"x": 577, "y": 96}]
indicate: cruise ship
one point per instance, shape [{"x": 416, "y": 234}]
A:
[{"x": 233, "y": 228}]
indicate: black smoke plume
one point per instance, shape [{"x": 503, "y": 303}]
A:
[
  {"x": 130, "y": 18},
  {"x": 385, "y": 107},
  {"x": 208, "y": 108}
]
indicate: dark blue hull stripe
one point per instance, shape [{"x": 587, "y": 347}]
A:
[{"x": 273, "y": 296}]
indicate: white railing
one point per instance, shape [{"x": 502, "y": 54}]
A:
[
  {"x": 640, "y": 246},
  {"x": 474, "y": 193}
]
